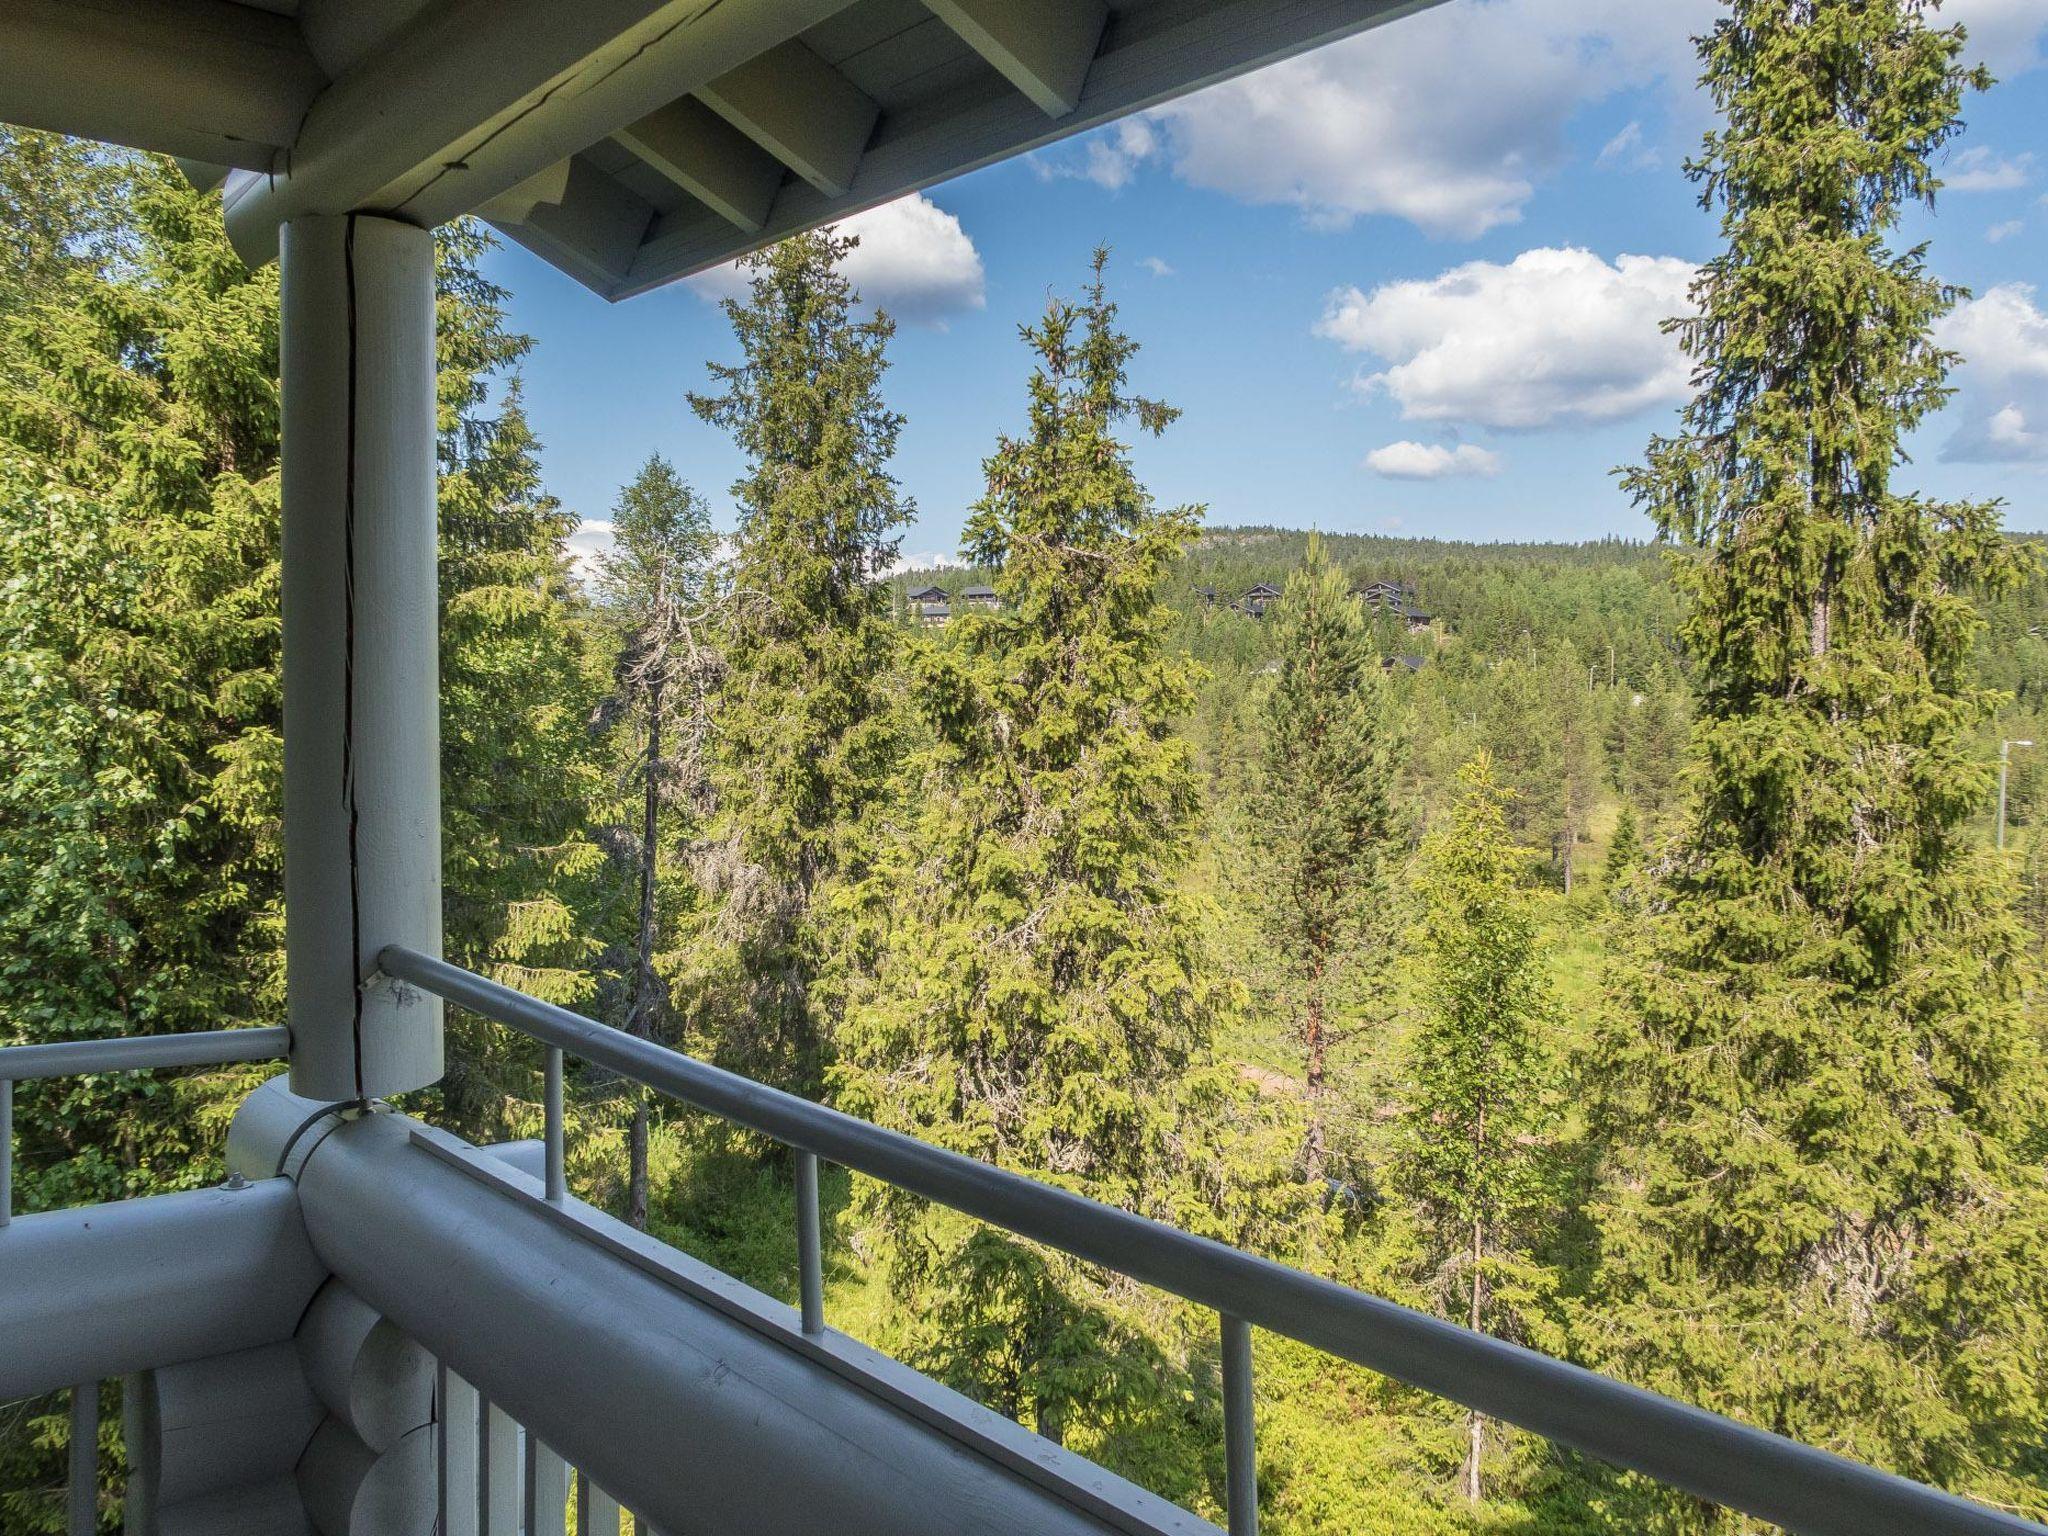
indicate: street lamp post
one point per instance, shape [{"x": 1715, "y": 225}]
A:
[{"x": 2004, "y": 764}]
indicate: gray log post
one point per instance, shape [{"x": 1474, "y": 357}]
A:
[{"x": 362, "y": 800}]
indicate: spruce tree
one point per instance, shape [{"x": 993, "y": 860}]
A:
[
  {"x": 1323, "y": 810},
  {"x": 658, "y": 583},
  {"x": 1819, "y": 1097},
  {"x": 804, "y": 737},
  {"x": 522, "y": 671},
  {"x": 1042, "y": 992},
  {"x": 1479, "y": 1072},
  {"x": 139, "y": 859},
  {"x": 1624, "y": 850}
]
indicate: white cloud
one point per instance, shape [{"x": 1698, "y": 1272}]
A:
[
  {"x": 914, "y": 260},
  {"x": 1156, "y": 265},
  {"x": 1980, "y": 169},
  {"x": 1451, "y": 117},
  {"x": 1553, "y": 336},
  {"x": 2002, "y": 336},
  {"x": 2005, "y": 34},
  {"x": 1109, "y": 157},
  {"x": 591, "y": 541},
  {"x": 1408, "y": 460},
  {"x": 1628, "y": 151},
  {"x": 1446, "y": 119},
  {"x": 925, "y": 560},
  {"x": 2005, "y": 230}
]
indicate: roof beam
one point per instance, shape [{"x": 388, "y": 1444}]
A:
[
  {"x": 708, "y": 158},
  {"x": 205, "y": 79},
  {"x": 1043, "y": 47},
  {"x": 801, "y": 110},
  {"x": 577, "y": 217},
  {"x": 471, "y": 97}
]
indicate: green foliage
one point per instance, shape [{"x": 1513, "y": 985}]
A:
[
  {"x": 1819, "y": 1096},
  {"x": 659, "y": 584},
  {"x": 138, "y": 701},
  {"x": 1324, "y": 810},
  {"x": 1624, "y": 850},
  {"x": 805, "y": 736},
  {"x": 1479, "y": 1065},
  {"x": 1481, "y": 1074},
  {"x": 1040, "y": 996}
]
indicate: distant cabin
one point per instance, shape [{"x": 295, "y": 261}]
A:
[
  {"x": 1401, "y": 664},
  {"x": 982, "y": 598},
  {"x": 1206, "y": 596},
  {"x": 930, "y": 605},
  {"x": 1395, "y": 598},
  {"x": 1259, "y": 599}
]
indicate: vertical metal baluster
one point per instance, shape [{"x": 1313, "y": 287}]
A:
[
  {"x": 6, "y": 1150},
  {"x": 82, "y": 1497},
  {"x": 458, "y": 1452},
  {"x": 557, "y": 1180},
  {"x": 1240, "y": 1449},
  {"x": 138, "y": 1517},
  {"x": 597, "y": 1512},
  {"x": 547, "y": 1490},
  {"x": 810, "y": 1249}
]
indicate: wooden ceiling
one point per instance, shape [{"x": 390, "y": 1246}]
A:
[{"x": 629, "y": 142}]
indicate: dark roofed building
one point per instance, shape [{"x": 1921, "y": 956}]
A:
[
  {"x": 1396, "y": 598},
  {"x": 930, "y": 605},
  {"x": 983, "y": 598},
  {"x": 1259, "y": 599}
]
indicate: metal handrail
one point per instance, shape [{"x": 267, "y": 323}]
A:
[
  {"x": 141, "y": 1053},
  {"x": 125, "y": 1053},
  {"x": 1715, "y": 1458}
]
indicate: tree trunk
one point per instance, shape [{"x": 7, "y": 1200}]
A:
[
  {"x": 1315, "y": 1037},
  {"x": 636, "y": 1159},
  {"x": 639, "y": 1021},
  {"x": 1475, "y": 1426}
]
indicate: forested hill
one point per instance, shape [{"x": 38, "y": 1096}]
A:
[
  {"x": 1563, "y": 659},
  {"x": 1508, "y": 597}
]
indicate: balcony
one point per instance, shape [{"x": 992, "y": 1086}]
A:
[{"x": 373, "y": 1326}]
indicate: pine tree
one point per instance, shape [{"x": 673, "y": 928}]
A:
[
  {"x": 804, "y": 738},
  {"x": 1323, "y": 808},
  {"x": 1821, "y": 1205},
  {"x": 1042, "y": 993},
  {"x": 1479, "y": 1069},
  {"x": 659, "y": 584}
]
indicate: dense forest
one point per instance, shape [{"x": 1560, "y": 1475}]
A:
[{"x": 1602, "y": 945}]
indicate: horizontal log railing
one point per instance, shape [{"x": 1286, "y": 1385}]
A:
[
  {"x": 1714, "y": 1458},
  {"x": 73, "y": 1058}
]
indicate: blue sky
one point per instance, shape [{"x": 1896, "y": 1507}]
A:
[{"x": 1409, "y": 283}]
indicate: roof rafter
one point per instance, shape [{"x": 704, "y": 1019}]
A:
[
  {"x": 708, "y": 158},
  {"x": 1043, "y": 47},
  {"x": 801, "y": 110}
]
